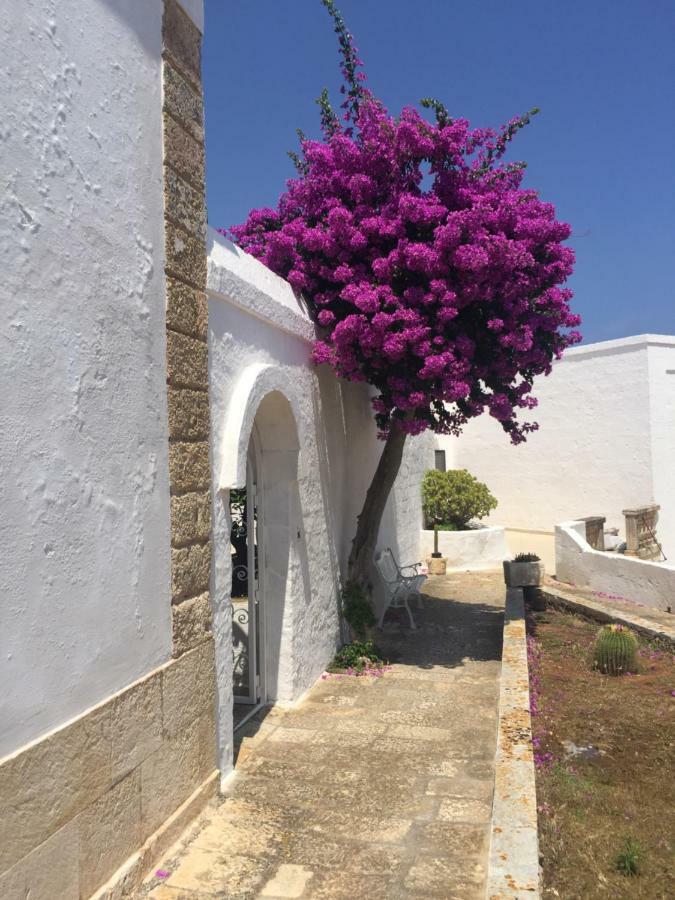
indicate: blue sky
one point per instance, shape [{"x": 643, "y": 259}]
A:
[{"x": 602, "y": 149}]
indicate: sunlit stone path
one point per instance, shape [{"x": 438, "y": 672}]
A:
[{"x": 371, "y": 787}]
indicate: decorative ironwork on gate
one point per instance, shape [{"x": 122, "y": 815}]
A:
[{"x": 240, "y": 613}]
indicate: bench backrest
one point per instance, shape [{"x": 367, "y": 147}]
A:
[{"x": 386, "y": 566}]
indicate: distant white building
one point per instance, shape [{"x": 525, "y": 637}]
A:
[{"x": 606, "y": 442}]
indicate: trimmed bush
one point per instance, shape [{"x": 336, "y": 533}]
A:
[{"x": 454, "y": 498}]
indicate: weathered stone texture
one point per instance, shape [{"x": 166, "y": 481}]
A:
[
  {"x": 185, "y": 256},
  {"x": 188, "y": 688},
  {"x": 188, "y": 414},
  {"x": 170, "y": 775},
  {"x": 191, "y": 623},
  {"x": 110, "y": 831},
  {"x": 182, "y": 41},
  {"x": 189, "y": 466},
  {"x": 183, "y": 204},
  {"x": 50, "y": 871},
  {"x": 187, "y": 361},
  {"x": 71, "y": 804},
  {"x": 190, "y": 518},
  {"x": 183, "y": 152},
  {"x": 136, "y": 727},
  {"x": 187, "y": 310},
  {"x": 51, "y": 782},
  {"x": 425, "y": 734},
  {"x": 190, "y": 570},
  {"x": 182, "y": 102}
]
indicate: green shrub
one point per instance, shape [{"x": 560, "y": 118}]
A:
[
  {"x": 454, "y": 498},
  {"x": 526, "y": 557},
  {"x": 358, "y": 656},
  {"x": 615, "y": 650},
  {"x": 357, "y": 609}
]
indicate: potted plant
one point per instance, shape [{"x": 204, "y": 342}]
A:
[
  {"x": 437, "y": 562},
  {"x": 525, "y": 571},
  {"x": 453, "y": 504}
]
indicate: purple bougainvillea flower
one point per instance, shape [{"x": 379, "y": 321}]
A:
[{"x": 431, "y": 272}]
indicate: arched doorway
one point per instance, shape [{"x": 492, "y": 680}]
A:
[{"x": 257, "y": 525}]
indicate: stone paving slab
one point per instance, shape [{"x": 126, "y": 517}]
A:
[{"x": 371, "y": 787}]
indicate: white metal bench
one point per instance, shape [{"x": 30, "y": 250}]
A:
[{"x": 400, "y": 582}]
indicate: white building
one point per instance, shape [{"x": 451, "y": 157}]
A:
[
  {"x": 155, "y": 383},
  {"x": 605, "y": 444},
  {"x": 133, "y": 405}
]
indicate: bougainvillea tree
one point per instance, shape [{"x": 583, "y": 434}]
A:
[{"x": 432, "y": 274}]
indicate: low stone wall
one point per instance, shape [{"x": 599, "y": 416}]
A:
[
  {"x": 111, "y": 789},
  {"x": 649, "y": 583},
  {"x": 513, "y": 867},
  {"x": 652, "y": 626},
  {"x": 471, "y": 550}
]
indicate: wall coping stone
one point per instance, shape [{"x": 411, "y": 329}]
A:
[
  {"x": 513, "y": 862},
  {"x": 237, "y": 278},
  {"x": 195, "y": 10},
  {"x": 603, "y": 613},
  {"x": 602, "y": 348}
]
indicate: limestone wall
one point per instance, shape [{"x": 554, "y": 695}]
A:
[
  {"x": 605, "y": 442},
  {"x": 645, "y": 582},
  {"x": 84, "y": 567},
  {"x": 105, "y": 563},
  {"x": 113, "y": 788}
]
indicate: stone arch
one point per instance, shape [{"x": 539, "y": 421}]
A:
[
  {"x": 263, "y": 419},
  {"x": 253, "y": 386}
]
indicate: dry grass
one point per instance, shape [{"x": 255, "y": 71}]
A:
[{"x": 613, "y": 809}]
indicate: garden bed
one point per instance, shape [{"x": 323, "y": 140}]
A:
[{"x": 605, "y": 756}]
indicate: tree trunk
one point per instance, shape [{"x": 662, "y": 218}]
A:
[{"x": 363, "y": 545}]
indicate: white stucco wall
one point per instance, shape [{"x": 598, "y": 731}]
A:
[
  {"x": 260, "y": 340},
  {"x": 84, "y": 531},
  {"x": 606, "y": 441},
  {"x": 649, "y": 583},
  {"x": 472, "y": 550},
  {"x": 661, "y": 362}
]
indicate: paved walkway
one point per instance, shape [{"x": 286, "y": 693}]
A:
[{"x": 371, "y": 787}]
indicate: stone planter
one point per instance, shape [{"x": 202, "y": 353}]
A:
[
  {"x": 470, "y": 550},
  {"x": 523, "y": 574},
  {"x": 437, "y": 565}
]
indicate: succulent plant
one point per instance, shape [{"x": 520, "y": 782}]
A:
[
  {"x": 615, "y": 650},
  {"x": 526, "y": 557}
]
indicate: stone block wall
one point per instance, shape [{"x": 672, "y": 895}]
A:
[
  {"x": 86, "y": 810},
  {"x": 186, "y": 329}
]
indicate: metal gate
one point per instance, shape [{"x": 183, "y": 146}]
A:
[{"x": 245, "y": 594}]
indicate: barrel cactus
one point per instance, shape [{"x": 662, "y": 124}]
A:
[{"x": 615, "y": 650}]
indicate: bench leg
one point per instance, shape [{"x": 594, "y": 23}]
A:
[{"x": 413, "y": 627}]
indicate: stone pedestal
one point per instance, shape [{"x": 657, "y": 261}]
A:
[
  {"x": 641, "y": 525},
  {"x": 595, "y": 531}
]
